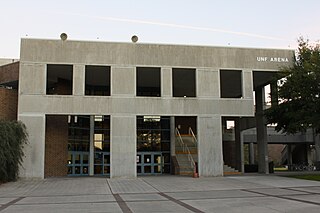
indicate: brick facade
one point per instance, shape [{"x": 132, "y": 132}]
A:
[
  {"x": 229, "y": 153},
  {"x": 9, "y": 72},
  {"x": 274, "y": 152},
  {"x": 8, "y": 104},
  {"x": 56, "y": 143}
]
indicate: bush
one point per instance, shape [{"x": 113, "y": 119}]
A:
[{"x": 13, "y": 137}]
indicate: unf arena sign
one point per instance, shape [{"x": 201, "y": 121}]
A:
[{"x": 272, "y": 59}]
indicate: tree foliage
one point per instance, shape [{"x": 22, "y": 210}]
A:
[
  {"x": 13, "y": 136},
  {"x": 299, "y": 91}
]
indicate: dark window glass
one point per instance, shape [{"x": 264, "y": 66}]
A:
[
  {"x": 59, "y": 79},
  {"x": 148, "y": 81},
  {"x": 97, "y": 80},
  {"x": 184, "y": 82},
  {"x": 231, "y": 83}
]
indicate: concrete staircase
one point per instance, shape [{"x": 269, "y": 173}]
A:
[
  {"x": 184, "y": 164},
  {"x": 185, "y": 167},
  {"x": 228, "y": 170}
]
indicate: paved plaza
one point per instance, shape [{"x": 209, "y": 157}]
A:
[{"x": 253, "y": 193}]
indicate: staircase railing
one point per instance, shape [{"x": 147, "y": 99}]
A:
[
  {"x": 187, "y": 150},
  {"x": 195, "y": 141}
]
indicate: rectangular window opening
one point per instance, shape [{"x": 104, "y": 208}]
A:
[
  {"x": 148, "y": 81},
  {"x": 97, "y": 81},
  {"x": 231, "y": 83},
  {"x": 184, "y": 82},
  {"x": 59, "y": 79}
]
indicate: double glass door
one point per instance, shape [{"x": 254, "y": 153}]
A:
[
  {"x": 89, "y": 140},
  {"x": 149, "y": 163}
]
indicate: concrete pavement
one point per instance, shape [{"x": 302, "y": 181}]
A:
[{"x": 253, "y": 193}]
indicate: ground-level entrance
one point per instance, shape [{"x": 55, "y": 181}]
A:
[
  {"x": 153, "y": 145},
  {"x": 88, "y": 141}
]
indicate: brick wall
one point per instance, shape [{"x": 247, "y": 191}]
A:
[
  {"x": 8, "y": 104},
  {"x": 274, "y": 152},
  {"x": 56, "y": 146},
  {"x": 9, "y": 72},
  {"x": 229, "y": 153}
]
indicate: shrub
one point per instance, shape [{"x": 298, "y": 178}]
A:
[{"x": 13, "y": 137}]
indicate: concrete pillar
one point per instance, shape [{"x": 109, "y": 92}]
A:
[
  {"x": 263, "y": 159},
  {"x": 207, "y": 83},
  {"x": 166, "y": 82},
  {"x": 317, "y": 146},
  {"x": 251, "y": 153},
  {"x": 274, "y": 93},
  {"x": 33, "y": 160},
  {"x": 91, "y": 150},
  {"x": 127, "y": 76},
  {"x": 123, "y": 146},
  {"x": 172, "y": 136},
  {"x": 289, "y": 154},
  {"x": 238, "y": 146},
  {"x": 78, "y": 79},
  {"x": 32, "y": 79},
  {"x": 210, "y": 146},
  {"x": 247, "y": 84}
]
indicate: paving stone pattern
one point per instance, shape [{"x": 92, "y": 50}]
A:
[{"x": 254, "y": 193}]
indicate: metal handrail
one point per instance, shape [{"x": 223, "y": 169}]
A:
[
  {"x": 195, "y": 141},
  {"x": 186, "y": 149}
]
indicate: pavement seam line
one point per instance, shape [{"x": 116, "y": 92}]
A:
[
  {"x": 297, "y": 190},
  {"x": 109, "y": 186},
  {"x": 150, "y": 184},
  {"x": 187, "y": 206},
  {"x": 285, "y": 198},
  {"x": 122, "y": 204},
  {"x": 10, "y": 203}
]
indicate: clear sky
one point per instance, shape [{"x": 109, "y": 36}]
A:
[{"x": 239, "y": 23}]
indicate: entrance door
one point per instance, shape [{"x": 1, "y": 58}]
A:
[
  {"x": 78, "y": 163},
  {"x": 102, "y": 163},
  {"x": 149, "y": 163}
]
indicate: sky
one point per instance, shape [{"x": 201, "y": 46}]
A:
[{"x": 236, "y": 23}]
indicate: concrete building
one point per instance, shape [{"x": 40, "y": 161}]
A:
[{"x": 128, "y": 109}]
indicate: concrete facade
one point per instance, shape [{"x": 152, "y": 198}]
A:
[{"x": 123, "y": 105}]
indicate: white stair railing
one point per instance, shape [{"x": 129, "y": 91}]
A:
[
  {"x": 185, "y": 149},
  {"x": 195, "y": 141}
]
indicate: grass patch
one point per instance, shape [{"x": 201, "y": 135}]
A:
[{"x": 307, "y": 177}]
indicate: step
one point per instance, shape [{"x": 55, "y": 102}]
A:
[
  {"x": 186, "y": 173},
  {"x": 185, "y": 152},
  {"x": 227, "y": 168},
  {"x": 231, "y": 173}
]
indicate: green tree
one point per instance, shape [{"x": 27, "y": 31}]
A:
[
  {"x": 299, "y": 92},
  {"x": 13, "y": 136}
]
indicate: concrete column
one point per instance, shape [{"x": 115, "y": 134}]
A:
[
  {"x": 78, "y": 79},
  {"x": 274, "y": 93},
  {"x": 263, "y": 159},
  {"x": 32, "y": 79},
  {"x": 289, "y": 154},
  {"x": 172, "y": 136},
  {"x": 247, "y": 84},
  {"x": 251, "y": 153},
  {"x": 317, "y": 145},
  {"x": 166, "y": 82},
  {"x": 91, "y": 150},
  {"x": 210, "y": 146},
  {"x": 207, "y": 83},
  {"x": 238, "y": 145},
  {"x": 33, "y": 160},
  {"x": 127, "y": 77},
  {"x": 123, "y": 146}
]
